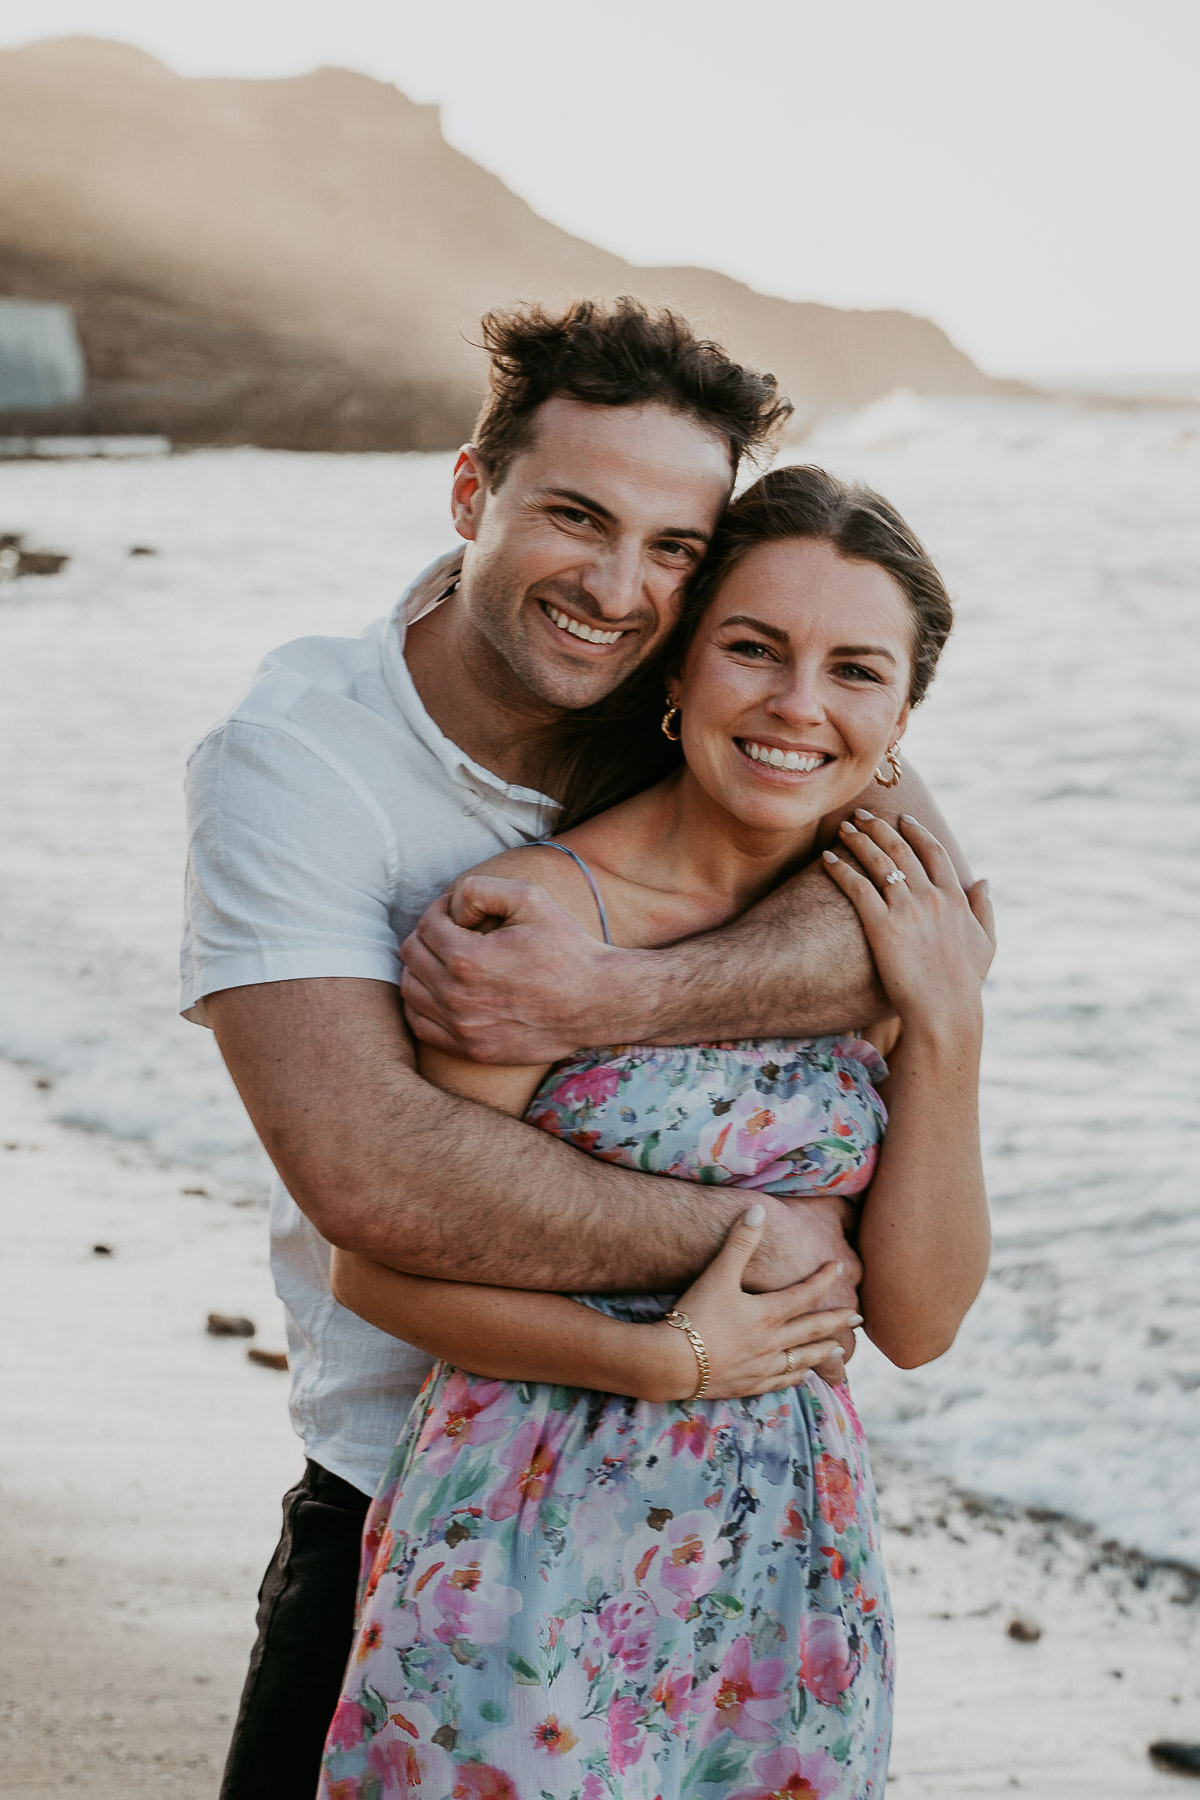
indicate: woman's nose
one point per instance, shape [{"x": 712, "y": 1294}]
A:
[{"x": 798, "y": 699}]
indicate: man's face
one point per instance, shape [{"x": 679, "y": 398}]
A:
[{"x": 577, "y": 562}]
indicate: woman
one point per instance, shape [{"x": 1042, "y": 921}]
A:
[{"x": 629, "y": 1550}]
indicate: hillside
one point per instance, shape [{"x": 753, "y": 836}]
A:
[{"x": 300, "y": 262}]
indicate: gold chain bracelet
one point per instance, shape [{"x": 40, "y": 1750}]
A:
[{"x": 681, "y": 1322}]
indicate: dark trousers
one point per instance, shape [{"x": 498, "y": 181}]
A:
[{"x": 305, "y": 1628}]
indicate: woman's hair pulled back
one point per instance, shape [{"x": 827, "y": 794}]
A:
[{"x": 803, "y": 501}]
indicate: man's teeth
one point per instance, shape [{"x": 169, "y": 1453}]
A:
[
  {"x": 781, "y": 759},
  {"x": 587, "y": 632}
]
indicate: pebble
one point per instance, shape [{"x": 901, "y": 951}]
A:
[
  {"x": 268, "y": 1359},
  {"x": 1024, "y": 1631},
  {"x": 229, "y": 1325}
]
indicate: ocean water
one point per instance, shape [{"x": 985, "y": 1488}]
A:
[{"x": 1061, "y": 738}]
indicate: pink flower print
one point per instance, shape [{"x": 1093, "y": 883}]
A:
[
  {"x": 482, "y": 1781},
  {"x": 626, "y": 1739},
  {"x": 672, "y": 1691},
  {"x": 787, "y": 1774},
  {"x": 593, "y": 1788},
  {"x": 826, "y": 1665},
  {"x": 591, "y": 1087},
  {"x": 690, "y": 1434},
  {"x": 752, "y": 1142},
  {"x": 531, "y": 1464},
  {"x": 405, "y": 1758},
  {"x": 626, "y": 1630},
  {"x": 742, "y": 1696},
  {"x": 680, "y": 1564},
  {"x": 835, "y": 1491},
  {"x": 349, "y": 1726},
  {"x": 469, "y": 1412},
  {"x": 457, "y": 1595}
]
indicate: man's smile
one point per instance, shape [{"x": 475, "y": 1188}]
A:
[{"x": 578, "y": 629}]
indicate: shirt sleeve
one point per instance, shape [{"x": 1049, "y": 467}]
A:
[{"x": 287, "y": 873}]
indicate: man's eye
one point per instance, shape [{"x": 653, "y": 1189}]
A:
[
  {"x": 677, "y": 550},
  {"x": 572, "y": 515}
]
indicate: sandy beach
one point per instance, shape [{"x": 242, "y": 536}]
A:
[{"x": 143, "y": 1500}]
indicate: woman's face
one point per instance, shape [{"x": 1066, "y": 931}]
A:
[{"x": 803, "y": 659}]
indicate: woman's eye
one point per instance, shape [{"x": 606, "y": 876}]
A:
[
  {"x": 749, "y": 647},
  {"x": 856, "y": 672}
]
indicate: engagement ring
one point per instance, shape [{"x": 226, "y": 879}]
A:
[{"x": 895, "y": 876}]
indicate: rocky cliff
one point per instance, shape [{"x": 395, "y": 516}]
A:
[{"x": 303, "y": 262}]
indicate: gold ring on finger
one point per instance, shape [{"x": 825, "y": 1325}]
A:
[
  {"x": 895, "y": 876},
  {"x": 789, "y": 1361}
]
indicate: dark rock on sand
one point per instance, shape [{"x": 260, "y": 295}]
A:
[
  {"x": 1180, "y": 1759},
  {"x": 268, "y": 1359},
  {"x": 229, "y": 1325}
]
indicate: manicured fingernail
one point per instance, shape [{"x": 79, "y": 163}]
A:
[
  {"x": 854, "y": 1319},
  {"x": 828, "y": 856},
  {"x": 847, "y": 826},
  {"x": 986, "y": 884},
  {"x": 754, "y": 1215},
  {"x": 860, "y": 812},
  {"x": 837, "y": 1351},
  {"x": 908, "y": 819}
]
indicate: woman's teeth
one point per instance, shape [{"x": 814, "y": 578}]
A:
[
  {"x": 781, "y": 759},
  {"x": 587, "y": 632}
]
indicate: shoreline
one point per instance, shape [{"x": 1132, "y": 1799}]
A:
[{"x": 147, "y": 1461}]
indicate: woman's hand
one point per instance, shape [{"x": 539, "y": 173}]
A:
[
  {"x": 932, "y": 940},
  {"x": 747, "y": 1336}
]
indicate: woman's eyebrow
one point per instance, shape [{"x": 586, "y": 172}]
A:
[
  {"x": 864, "y": 650},
  {"x": 770, "y": 631}
]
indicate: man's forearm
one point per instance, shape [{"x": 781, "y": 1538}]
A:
[
  {"x": 428, "y": 1182},
  {"x": 796, "y": 965}
]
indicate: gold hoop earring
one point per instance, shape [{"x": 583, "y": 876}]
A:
[
  {"x": 668, "y": 719},
  {"x": 893, "y": 761}
]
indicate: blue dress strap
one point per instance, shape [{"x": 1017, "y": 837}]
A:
[{"x": 597, "y": 896}]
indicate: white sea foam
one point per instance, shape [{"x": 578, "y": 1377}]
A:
[{"x": 1061, "y": 740}]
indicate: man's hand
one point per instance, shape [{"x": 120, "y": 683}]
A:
[
  {"x": 800, "y": 1236},
  {"x": 497, "y": 972}
]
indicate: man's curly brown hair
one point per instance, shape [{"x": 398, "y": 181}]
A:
[{"x": 619, "y": 354}]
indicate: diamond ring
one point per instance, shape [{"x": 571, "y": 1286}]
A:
[{"x": 895, "y": 876}]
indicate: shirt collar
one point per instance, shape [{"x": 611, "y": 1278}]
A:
[{"x": 407, "y": 610}]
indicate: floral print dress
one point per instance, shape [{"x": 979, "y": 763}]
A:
[{"x": 569, "y": 1595}]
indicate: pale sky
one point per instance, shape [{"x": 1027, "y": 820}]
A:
[{"x": 1025, "y": 172}]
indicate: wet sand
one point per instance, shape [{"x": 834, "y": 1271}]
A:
[{"x": 143, "y": 1464}]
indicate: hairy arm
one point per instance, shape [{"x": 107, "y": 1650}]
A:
[
  {"x": 510, "y": 1334},
  {"x": 797, "y": 964},
  {"x": 436, "y": 1184}
]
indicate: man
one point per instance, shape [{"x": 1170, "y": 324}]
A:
[{"x": 347, "y": 790}]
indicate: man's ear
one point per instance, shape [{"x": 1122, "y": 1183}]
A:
[{"x": 468, "y": 493}]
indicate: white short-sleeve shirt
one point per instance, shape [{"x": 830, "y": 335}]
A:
[{"x": 325, "y": 813}]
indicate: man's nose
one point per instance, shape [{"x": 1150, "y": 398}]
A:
[{"x": 614, "y": 579}]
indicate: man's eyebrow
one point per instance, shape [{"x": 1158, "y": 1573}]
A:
[{"x": 602, "y": 512}]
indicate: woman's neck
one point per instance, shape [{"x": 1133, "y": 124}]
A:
[{"x": 674, "y": 841}]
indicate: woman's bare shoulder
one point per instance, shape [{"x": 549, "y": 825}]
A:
[{"x": 557, "y": 875}]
